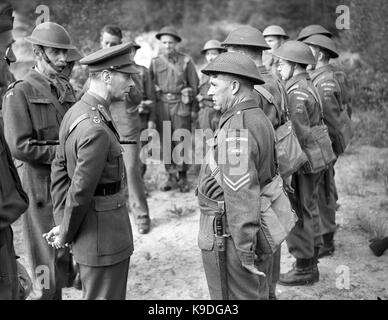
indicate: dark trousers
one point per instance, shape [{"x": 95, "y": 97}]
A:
[
  {"x": 242, "y": 285},
  {"x": 327, "y": 201},
  {"x": 105, "y": 283},
  {"x": 9, "y": 282},
  {"x": 307, "y": 231}
]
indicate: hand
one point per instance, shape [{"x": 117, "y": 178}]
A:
[
  {"x": 52, "y": 238},
  {"x": 254, "y": 270},
  {"x": 151, "y": 125}
]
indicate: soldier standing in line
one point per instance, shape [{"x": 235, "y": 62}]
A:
[
  {"x": 33, "y": 110},
  {"x": 208, "y": 116},
  {"x": 176, "y": 85},
  {"x": 13, "y": 200},
  {"x": 87, "y": 180},
  {"x": 228, "y": 199},
  {"x": 330, "y": 92},
  {"x": 275, "y": 37},
  {"x": 304, "y": 240},
  {"x": 250, "y": 41},
  {"x": 311, "y": 30}
]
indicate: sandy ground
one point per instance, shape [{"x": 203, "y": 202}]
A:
[{"x": 166, "y": 263}]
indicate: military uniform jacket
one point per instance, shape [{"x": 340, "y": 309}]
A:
[
  {"x": 29, "y": 114},
  {"x": 246, "y": 133},
  {"x": 275, "y": 88},
  {"x": 89, "y": 155},
  {"x": 330, "y": 93},
  {"x": 13, "y": 200},
  {"x": 172, "y": 74},
  {"x": 6, "y": 78},
  {"x": 304, "y": 109}
]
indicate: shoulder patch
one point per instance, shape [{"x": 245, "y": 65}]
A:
[
  {"x": 328, "y": 84},
  {"x": 301, "y": 93}
]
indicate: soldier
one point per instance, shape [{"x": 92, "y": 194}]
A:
[
  {"x": 250, "y": 41},
  {"x": 275, "y": 37},
  {"x": 72, "y": 57},
  {"x": 176, "y": 85},
  {"x": 13, "y": 200},
  {"x": 208, "y": 116},
  {"x": 87, "y": 180},
  {"x": 238, "y": 275},
  {"x": 304, "y": 239},
  {"x": 126, "y": 116},
  {"x": 33, "y": 110},
  {"x": 331, "y": 95}
]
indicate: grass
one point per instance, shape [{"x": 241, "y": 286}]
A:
[{"x": 375, "y": 223}]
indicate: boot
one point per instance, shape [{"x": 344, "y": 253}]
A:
[
  {"x": 303, "y": 272},
  {"x": 143, "y": 224},
  {"x": 328, "y": 247},
  {"x": 378, "y": 246},
  {"x": 183, "y": 184},
  {"x": 170, "y": 184}
]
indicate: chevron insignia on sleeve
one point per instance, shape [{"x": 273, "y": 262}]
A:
[{"x": 235, "y": 186}]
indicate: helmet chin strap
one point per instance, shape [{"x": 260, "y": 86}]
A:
[
  {"x": 292, "y": 69},
  {"x": 49, "y": 62}
]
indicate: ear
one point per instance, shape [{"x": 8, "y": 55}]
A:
[
  {"x": 106, "y": 76},
  {"x": 320, "y": 56},
  {"x": 235, "y": 87}
]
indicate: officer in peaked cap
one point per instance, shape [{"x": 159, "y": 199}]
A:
[
  {"x": 243, "y": 131},
  {"x": 39, "y": 101},
  {"x": 13, "y": 200},
  {"x": 88, "y": 178}
]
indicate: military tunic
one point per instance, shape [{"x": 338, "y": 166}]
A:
[
  {"x": 13, "y": 202},
  {"x": 246, "y": 132},
  {"x": 29, "y": 115},
  {"x": 96, "y": 223},
  {"x": 305, "y": 113},
  {"x": 171, "y": 75}
]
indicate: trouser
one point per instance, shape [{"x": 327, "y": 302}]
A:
[
  {"x": 47, "y": 268},
  {"x": 106, "y": 282},
  {"x": 9, "y": 281},
  {"x": 327, "y": 201},
  {"x": 276, "y": 265},
  {"x": 143, "y": 125},
  {"x": 241, "y": 284},
  {"x": 177, "y": 122},
  {"x": 306, "y": 235}
]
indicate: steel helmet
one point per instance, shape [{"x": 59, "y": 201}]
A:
[
  {"x": 313, "y": 29},
  {"x": 50, "y": 34},
  {"x": 323, "y": 42},
  {"x": 234, "y": 63},
  {"x": 212, "y": 44},
  {"x": 295, "y": 51},
  {"x": 275, "y": 31},
  {"x": 169, "y": 30},
  {"x": 246, "y": 36}
]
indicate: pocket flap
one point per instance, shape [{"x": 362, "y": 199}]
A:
[{"x": 107, "y": 203}]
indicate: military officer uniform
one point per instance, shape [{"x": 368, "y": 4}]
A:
[
  {"x": 33, "y": 110},
  {"x": 305, "y": 238},
  {"x": 87, "y": 187},
  {"x": 176, "y": 83},
  {"x": 245, "y": 127}
]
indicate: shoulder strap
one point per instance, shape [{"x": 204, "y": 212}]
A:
[
  {"x": 38, "y": 86},
  {"x": 170, "y": 65},
  {"x": 318, "y": 99},
  {"x": 270, "y": 98}
]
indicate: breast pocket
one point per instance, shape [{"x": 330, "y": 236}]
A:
[
  {"x": 114, "y": 232},
  {"x": 115, "y": 159},
  {"x": 45, "y": 118}
]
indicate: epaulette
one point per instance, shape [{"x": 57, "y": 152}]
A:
[{"x": 12, "y": 84}]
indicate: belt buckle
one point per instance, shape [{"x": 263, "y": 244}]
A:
[{"x": 169, "y": 96}]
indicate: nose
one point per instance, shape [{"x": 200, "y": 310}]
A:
[{"x": 10, "y": 55}]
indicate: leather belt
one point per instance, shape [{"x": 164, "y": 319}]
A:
[{"x": 107, "y": 189}]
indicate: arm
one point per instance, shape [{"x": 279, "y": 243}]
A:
[
  {"x": 92, "y": 154},
  {"x": 299, "y": 116},
  {"x": 149, "y": 94},
  {"x": 18, "y": 129},
  {"x": 192, "y": 82}
]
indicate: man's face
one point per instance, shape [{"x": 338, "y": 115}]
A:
[
  {"x": 274, "y": 41},
  {"x": 120, "y": 85},
  {"x": 285, "y": 69},
  {"x": 6, "y": 52},
  {"x": 221, "y": 92},
  {"x": 168, "y": 43},
  {"x": 211, "y": 55},
  {"x": 109, "y": 40},
  {"x": 57, "y": 57},
  {"x": 132, "y": 53}
]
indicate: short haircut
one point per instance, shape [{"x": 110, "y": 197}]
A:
[{"x": 113, "y": 30}]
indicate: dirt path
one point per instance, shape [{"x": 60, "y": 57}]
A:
[{"x": 166, "y": 263}]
